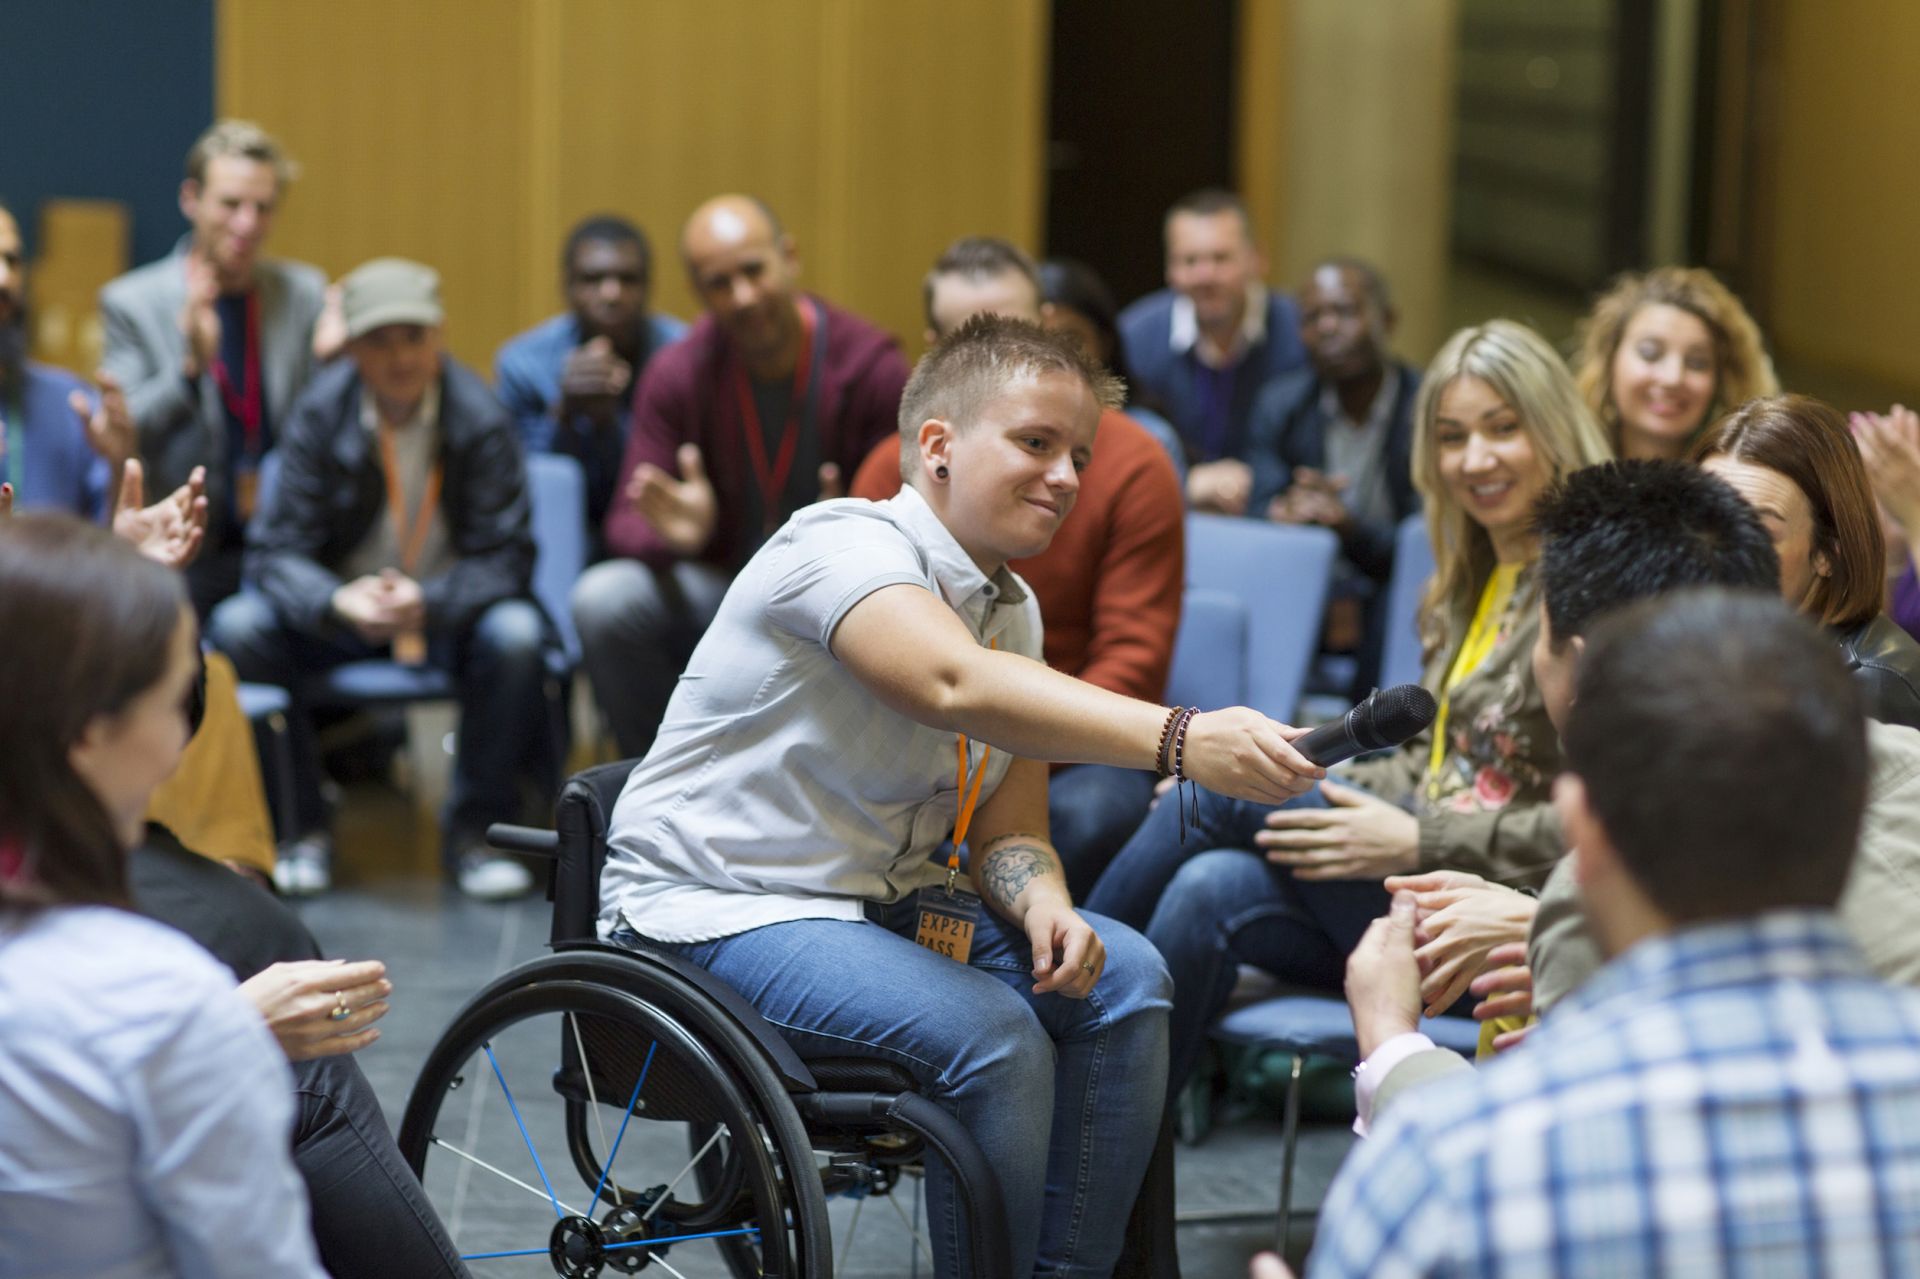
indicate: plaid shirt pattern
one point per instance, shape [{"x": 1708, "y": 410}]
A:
[{"x": 1730, "y": 1099}]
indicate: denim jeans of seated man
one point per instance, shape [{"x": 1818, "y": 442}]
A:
[
  {"x": 1091, "y": 810},
  {"x": 507, "y": 724},
  {"x": 1063, "y": 1095},
  {"x": 1213, "y": 902}
]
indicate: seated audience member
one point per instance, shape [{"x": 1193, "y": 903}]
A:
[
  {"x": 1332, "y": 444},
  {"x": 1109, "y": 582},
  {"x": 400, "y": 528},
  {"x": 569, "y": 382},
  {"x": 369, "y": 1217},
  {"x": 780, "y": 832},
  {"x": 1890, "y": 445},
  {"x": 768, "y": 404},
  {"x": 1609, "y": 536},
  {"x": 1221, "y": 882},
  {"x": 1794, "y": 460},
  {"x": 1205, "y": 346},
  {"x": 1075, "y": 300},
  {"x": 58, "y": 449},
  {"x": 1691, "y": 1110},
  {"x": 1664, "y": 353},
  {"x": 215, "y": 342},
  {"x": 147, "y": 1110}
]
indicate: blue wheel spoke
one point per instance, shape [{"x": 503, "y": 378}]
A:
[
  {"x": 527, "y": 1137},
  {"x": 606, "y": 1169},
  {"x": 489, "y": 1256}
]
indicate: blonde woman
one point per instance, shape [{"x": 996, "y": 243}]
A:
[
  {"x": 1291, "y": 889},
  {"x": 1663, "y": 353}
]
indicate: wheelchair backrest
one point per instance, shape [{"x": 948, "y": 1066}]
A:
[{"x": 580, "y": 818}]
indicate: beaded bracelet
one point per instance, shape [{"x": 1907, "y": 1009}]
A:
[
  {"x": 1179, "y": 757},
  {"x": 1166, "y": 740}
]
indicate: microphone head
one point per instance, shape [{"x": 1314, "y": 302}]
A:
[{"x": 1392, "y": 715}]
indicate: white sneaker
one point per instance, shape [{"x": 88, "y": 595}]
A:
[
  {"x": 492, "y": 877},
  {"x": 304, "y": 866}
]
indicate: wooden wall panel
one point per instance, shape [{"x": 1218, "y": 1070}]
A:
[
  {"x": 1842, "y": 256},
  {"x": 472, "y": 133}
]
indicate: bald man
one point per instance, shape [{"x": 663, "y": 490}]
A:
[{"x": 767, "y": 404}]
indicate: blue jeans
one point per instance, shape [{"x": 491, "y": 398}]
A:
[
  {"x": 1063, "y": 1095},
  {"x": 1215, "y": 902},
  {"x": 1092, "y": 808},
  {"x": 508, "y": 725}
]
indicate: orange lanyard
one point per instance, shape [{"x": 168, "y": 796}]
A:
[
  {"x": 409, "y": 545},
  {"x": 969, "y": 796}
]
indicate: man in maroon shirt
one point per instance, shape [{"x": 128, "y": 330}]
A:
[{"x": 764, "y": 407}]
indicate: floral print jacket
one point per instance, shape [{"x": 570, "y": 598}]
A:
[{"x": 1490, "y": 809}]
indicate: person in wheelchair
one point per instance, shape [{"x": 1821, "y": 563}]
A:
[{"x": 870, "y": 689}]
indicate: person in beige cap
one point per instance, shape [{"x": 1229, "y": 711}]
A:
[{"x": 399, "y": 528}]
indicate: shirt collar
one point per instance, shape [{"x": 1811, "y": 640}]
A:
[
  {"x": 966, "y": 588},
  {"x": 1184, "y": 329},
  {"x": 1782, "y": 945},
  {"x": 427, "y": 415},
  {"x": 1377, "y": 412}
]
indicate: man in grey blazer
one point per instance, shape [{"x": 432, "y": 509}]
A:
[{"x": 214, "y": 342}]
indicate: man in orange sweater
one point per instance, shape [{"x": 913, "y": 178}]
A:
[{"x": 1109, "y": 585}]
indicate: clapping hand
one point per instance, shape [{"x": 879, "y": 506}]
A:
[
  {"x": 170, "y": 531},
  {"x": 108, "y": 425},
  {"x": 199, "y": 317},
  {"x": 1890, "y": 445},
  {"x": 682, "y": 511},
  {"x": 593, "y": 380}
]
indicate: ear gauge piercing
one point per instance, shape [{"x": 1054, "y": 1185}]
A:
[{"x": 939, "y": 472}]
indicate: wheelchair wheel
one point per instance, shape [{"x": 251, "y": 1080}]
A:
[{"x": 569, "y": 1123}]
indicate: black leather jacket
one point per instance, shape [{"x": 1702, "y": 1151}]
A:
[
  {"x": 1885, "y": 663},
  {"x": 331, "y": 490}
]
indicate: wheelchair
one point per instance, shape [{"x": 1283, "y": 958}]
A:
[{"x": 616, "y": 1111}]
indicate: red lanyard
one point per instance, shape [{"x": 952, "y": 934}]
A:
[
  {"x": 245, "y": 405},
  {"x": 409, "y": 545},
  {"x": 772, "y": 477}
]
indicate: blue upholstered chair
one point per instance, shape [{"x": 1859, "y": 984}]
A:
[
  {"x": 1279, "y": 573},
  {"x": 1412, "y": 566},
  {"x": 1210, "y": 652}
]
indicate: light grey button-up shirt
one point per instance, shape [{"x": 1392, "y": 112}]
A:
[{"x": 779, "y": 788}]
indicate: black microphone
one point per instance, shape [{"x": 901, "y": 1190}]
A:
[{"x": 1386, "y": 718}]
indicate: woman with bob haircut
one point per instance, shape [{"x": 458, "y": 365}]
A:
[
  {"x": 145, "y": 1111},
  {"x": 1291, "y": 889},
  {"x": 1794, "y": 460},
  {"x": 1665, "y": 352}
]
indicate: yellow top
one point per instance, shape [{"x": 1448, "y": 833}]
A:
[
  {"x": 1474, "y": 650},
  {"x": 215, "y": 801}
]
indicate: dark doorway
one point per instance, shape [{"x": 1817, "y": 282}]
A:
[{"x": 1140, "y": 112}]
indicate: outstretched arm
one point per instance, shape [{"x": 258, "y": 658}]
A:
[{"x": 910, "y": 650}]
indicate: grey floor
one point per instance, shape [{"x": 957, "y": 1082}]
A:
[{"x": 440, "y": 948}]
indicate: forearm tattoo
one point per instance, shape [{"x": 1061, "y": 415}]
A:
[{"x": 1011, "y": 865}]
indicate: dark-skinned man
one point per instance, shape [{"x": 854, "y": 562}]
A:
[{"x": 569, "y": 381}]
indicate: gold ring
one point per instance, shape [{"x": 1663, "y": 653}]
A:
[
  {"x": 340, "y": 1010},
  {"x": 1086, "y": 965}
]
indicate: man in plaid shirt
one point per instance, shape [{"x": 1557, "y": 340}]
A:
[{"x": 1734, "y": 1093}]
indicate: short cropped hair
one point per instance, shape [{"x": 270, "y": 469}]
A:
[
  {"x": 1370, "y": 278},
  {"x": 970, "y": 367},
  {"x": 241, "y": 138},
  {"x": 1808, "y": 442},
  {"x": 1620, "y": 532},
  {"x": 606, "y": 228},
  {"x": 975, "y": 258},
  {"x": 1209, "y": 202},
  {"x": 1723, "y": 749}
]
